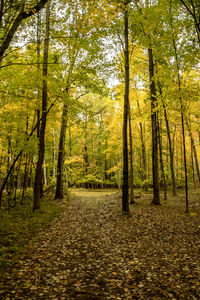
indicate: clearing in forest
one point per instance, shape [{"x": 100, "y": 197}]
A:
[{"x": 92, "y": 251}]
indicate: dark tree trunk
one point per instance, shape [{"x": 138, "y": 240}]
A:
[
  {"x": 144, "y": 161},
  {"x": 25, "y": 180},
  {"x": 161, "y": 161},
  {"x": 125, "y": 188},
  {"x": 155, "y": 166},
  {"x": 132, "y": 201},
  {"x": 61, "y": 155},
  {"x": 38, "y": 71},
  {"x": 182, "y": 109},
  {"x": 1, "y": 12},
  {"x": 194, "y": 149},
  {"x": 171, "y": 152},
  {"x": 41, "y": 148},
  {"x": 192, "y": 163},
  {"x": 86, "y": 154}
]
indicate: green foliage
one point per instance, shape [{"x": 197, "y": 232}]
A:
[{"x": 19, "y": 225}]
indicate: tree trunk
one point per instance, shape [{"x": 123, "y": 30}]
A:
[
  {"x": 132, "y": 201},
  {"x": 182, "y": 109},
  {"x": 86, "y": 154},
  {"x": 194, "y": 149},
  {"x": 155, "y": 166},
  {"x": 171, "y": 152},
  {"x": 192, "y": 163},
  {"x": 54, "y": 155},
  {"x": 1, "y": 12},
  {"x": 61, "y": 155},
  {"x": 125, "y": 188},
  {"x": 161, "y": 161},
  {"x": 41, "y": 148},
  {"x": 144, "y": 161}
]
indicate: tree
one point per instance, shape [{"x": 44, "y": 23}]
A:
[
  {"x": 154, "y": 123},
  {"x": 125, "y": 188},
  {"x": 41, "y": 148}
]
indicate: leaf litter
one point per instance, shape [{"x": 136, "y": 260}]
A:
[{"x": 92, "y": 251}]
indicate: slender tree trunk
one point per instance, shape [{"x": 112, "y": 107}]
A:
[
  {"x": 38, "y": 71},
  {"x": 132, "y": 201},
  {"x": 171, "y": 152},
  {"x": 86, "y": 154},
  {"x": 161, "y": 161},
  {"x": 1, "y": 12},
  {"x": 25, "y": 180},
  {"x": 192, "y": 163},
  {"x": 105, "y": 163},
  {"x": 125, "y": 188},
  {"x": 61, "y": 155},
  {"x": 182, "y": 110},
  {"x": 41, "y": 149},
  {"x": 54, "y": 155},
  {"x": 194, "y": 149},
  {"x": 144, "y": 162},
  {"x": 155, "y": 166},
  {"x": 70, "y": 141}
]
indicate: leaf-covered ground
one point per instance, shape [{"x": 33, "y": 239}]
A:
[{"x": 92, "y": 251}]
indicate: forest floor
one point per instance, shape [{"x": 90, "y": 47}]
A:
[{"x": 93, "y": 251}]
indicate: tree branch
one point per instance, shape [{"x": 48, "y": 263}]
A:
[{"x": 24, "y": 14}]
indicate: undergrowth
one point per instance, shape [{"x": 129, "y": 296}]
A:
[{"x": 19, "y": 224}]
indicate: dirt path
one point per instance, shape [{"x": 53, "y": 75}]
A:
[{"x": 93, "y": 252}]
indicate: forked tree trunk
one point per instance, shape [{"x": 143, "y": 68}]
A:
[
  {"x": 155, "y": 166},
  {"x": 41, "y": 149},
  {"x": 125, "y": 188}
]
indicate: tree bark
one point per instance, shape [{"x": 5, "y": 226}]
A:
[
  {"x": 132, "y": 201},
  {"x": 1, "y": 12},
  {"x": 194, "y": 149},
  {"x": 155, "y": 166},
  {"x": 125, "y": 188},
  {"x": 182, "y": 109},
  {"x": 192, "y": 163},
  {"x": 86, "y": 154},
  {"x": 171, "y": 152},
  {"x": 144, "y": 161},
  {"x": 41, "y": 148},
  {"x": 61, "y": 155},
  {"x": 161, "y": 161}
]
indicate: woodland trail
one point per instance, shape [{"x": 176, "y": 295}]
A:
[{"x": 92, "y": 251}]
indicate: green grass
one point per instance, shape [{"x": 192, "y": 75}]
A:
[{"x": 19, "y": 225}]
